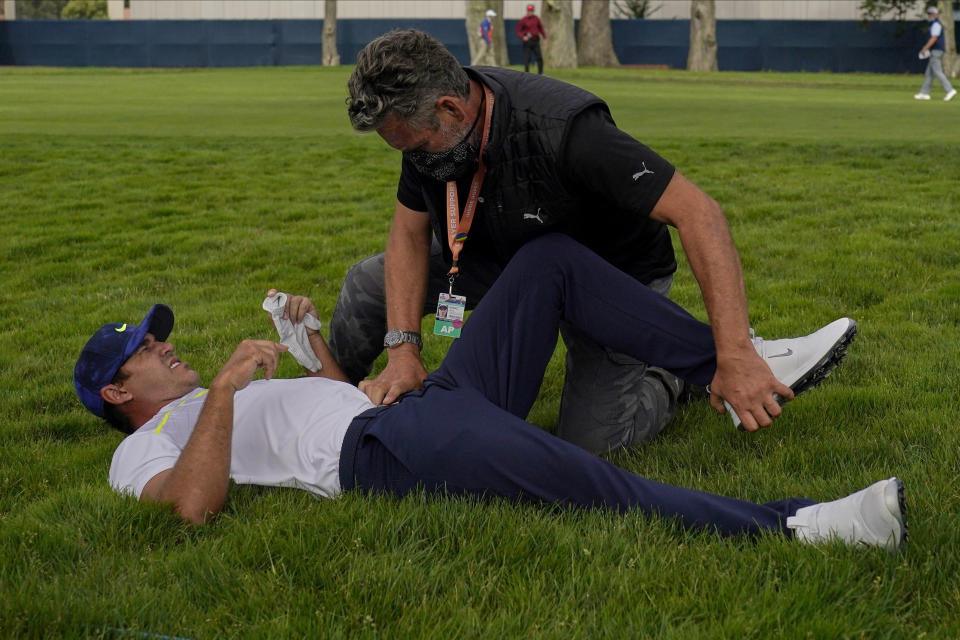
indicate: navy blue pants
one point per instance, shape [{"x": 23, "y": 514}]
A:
[{"x": 464, "y": 433}]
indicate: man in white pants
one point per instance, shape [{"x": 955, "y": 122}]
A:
[{"x": 933, "y": 51}]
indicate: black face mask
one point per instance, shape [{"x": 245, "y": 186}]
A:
[{"x": 452, "y": 164}]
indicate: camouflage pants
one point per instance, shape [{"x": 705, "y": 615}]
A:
[{"x": 610, "y": 400}]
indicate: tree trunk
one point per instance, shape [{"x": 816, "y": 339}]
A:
[
  {"x": 951, "y": 61},
  {"x": 475, "y": 13},
  {"x": 330, "y": 56},
  {"x": 594, "y": 40},
  {"x": 703, "y": 36},
  {"x": 560, "y": 48},
  {"x": 500, "y": 56}
]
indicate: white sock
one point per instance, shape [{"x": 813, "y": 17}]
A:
[{"x": 293, "y": 336}]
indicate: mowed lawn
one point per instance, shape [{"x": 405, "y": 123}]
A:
[{"x": 203, "y": 188}]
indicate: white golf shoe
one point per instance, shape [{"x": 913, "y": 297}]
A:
[
  {"x": 922, "y": 96},
  {"x": 949, "y": 96},
  {"x": 803, "y": 363},
  {"x": 875, "y": 516}
]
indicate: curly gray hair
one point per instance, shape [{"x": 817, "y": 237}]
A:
[{"x": 403, "y": 72}]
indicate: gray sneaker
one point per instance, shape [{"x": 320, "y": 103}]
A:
[
  {"x": 875, "y": 517},
  {"x": 803, "y": 363}
]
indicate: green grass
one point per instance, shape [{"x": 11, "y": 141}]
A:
[{"x": 203, "y": 188}]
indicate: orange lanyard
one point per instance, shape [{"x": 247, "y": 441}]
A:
[{"x": 458, "y": 226}]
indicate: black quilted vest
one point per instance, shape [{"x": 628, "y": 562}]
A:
[{"x": 524, "y": 194}]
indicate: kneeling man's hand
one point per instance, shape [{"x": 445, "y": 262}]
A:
[
  {"x": 746, "y": 382},
  {"x": 404, "y": 372}
]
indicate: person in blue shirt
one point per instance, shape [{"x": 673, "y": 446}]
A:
[
  {"x": 484, "y": 54},
  {"x": 933, "y": 51}
]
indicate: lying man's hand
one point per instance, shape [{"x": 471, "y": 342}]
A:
[
  {"x": 746, "y": 382},
  {"x": 297, "y": 308},
  {"x": 404, "y": 372},
  {"x": 247, "y": 359}
]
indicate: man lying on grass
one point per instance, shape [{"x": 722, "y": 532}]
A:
[{"x": 464, "y": 431}]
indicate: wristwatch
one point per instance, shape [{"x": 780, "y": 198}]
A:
[{"x": 395, "y": 337}]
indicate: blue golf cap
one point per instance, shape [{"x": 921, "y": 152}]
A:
[{"x": 109, "y": 348}]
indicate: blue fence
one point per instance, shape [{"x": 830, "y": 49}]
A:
[
  {"x": 777, "y": 45},
  {"x": 744, "y": 45}
]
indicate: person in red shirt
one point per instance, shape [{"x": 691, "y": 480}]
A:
[{"x": 530, "y": 30}]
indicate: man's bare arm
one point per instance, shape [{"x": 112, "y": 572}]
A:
[
  {"x": 407, "y": 260},
  {"x": 197, "y": 484},
  {"x": 742, "y": 378}
]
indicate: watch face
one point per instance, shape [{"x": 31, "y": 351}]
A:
[
  {"x": 392, "y": 338},
  {"x": 396, "y": 337}
]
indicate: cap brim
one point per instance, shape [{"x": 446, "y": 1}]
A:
[{"x": 158, "y": 321}]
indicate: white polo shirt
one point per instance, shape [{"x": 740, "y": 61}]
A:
[{"x": 286, "y": 433}]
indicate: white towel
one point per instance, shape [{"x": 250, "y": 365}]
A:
[{"x": 294, "y": 336}]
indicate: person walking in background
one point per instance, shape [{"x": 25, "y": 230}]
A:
[
  {"x": 530, "y": 30},
  {"x": 485, "y": 50},
  {"x": 933, "y": 51}
]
